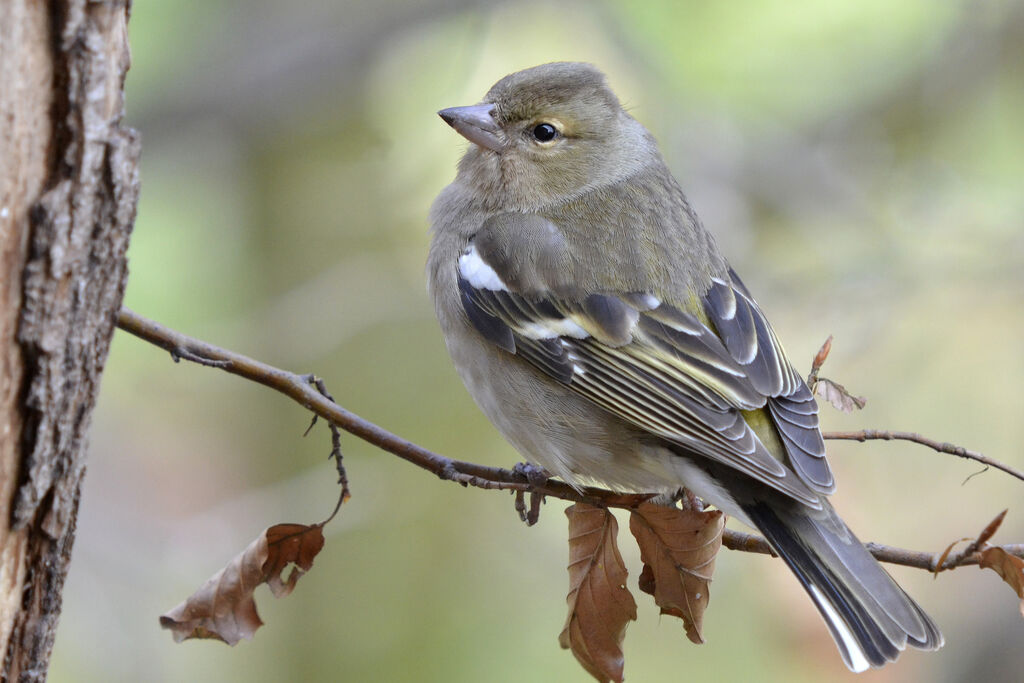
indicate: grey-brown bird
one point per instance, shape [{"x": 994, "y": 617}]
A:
[{"x": 595, "y": 322}]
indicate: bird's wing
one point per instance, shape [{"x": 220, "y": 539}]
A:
[
  {"x": 751, "y": 341},
  {"x": 654, "y": 365}
]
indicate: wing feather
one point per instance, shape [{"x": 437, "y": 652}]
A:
[
  {"x": 658, "y": 367},
  {"x": 790, "y": 403}
]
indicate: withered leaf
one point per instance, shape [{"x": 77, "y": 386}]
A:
[
  {"x": 990, "y": 530},
  {"x": 678, "y": 548},
  {"x": 1009, "y": 567},
  {"x": 838, "y": 396},
  {"x": 819, "y": 359},
  {"x": 223, "y": 608},
  {"x": 944, "y": 555},
  {"x": 600, "y": 605}
]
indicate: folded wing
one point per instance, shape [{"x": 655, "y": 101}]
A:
[{"x": 665, "y": 370}]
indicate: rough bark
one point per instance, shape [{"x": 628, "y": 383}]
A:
[{"x": 68, "y": 193}]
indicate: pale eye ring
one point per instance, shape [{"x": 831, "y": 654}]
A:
[{"x": 544, "y": 132}]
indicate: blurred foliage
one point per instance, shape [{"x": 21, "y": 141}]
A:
[{"x": 860, "y": 162}]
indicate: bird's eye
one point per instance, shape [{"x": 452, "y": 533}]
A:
[{"x": 544, "y": 132}]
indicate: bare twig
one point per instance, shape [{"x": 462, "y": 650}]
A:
[
  {"x": 336, "y": 453},
  {"x": 752, "y": 543},
  {"x": 300, "y": 389},
  {"x": 927, "y": 561},
  {"x": 941, "y": 447}
]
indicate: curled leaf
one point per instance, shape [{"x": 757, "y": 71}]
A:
[
  {"x": 600, "y": 605},
  {"x": 1009, "y": 567},
  {"x": 819, "y": 360},
  {"x": 678, "y": 548},
  {"x": 223, "y": 608},
  {"x": 990, "y": 530},
  {"x": 944, "y": 556},
  {"x": 838, "y": 396}
]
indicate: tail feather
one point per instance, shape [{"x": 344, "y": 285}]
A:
[{"x": 869, "y": 616}]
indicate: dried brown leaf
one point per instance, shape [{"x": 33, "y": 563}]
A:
[
  {"x": 945, "y": 554},
  {"x": 1009, "y": 567},
  {"x": 223, "y": 608},
  {"x": 838, "y": 396},
  {"x": 600, "y": 605},
  {"x": 678, "y": 548},
  {"x": 819, "y": 358},
  {"x": 990, "y": 530}
]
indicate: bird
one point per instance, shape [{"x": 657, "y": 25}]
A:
[{"x": 598, "y": 326}]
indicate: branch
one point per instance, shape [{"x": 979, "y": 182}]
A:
[
  {"x": 942, "y": 447},
  {"x": 752, "y": 543},
  {"x": 303, "y": 390}
]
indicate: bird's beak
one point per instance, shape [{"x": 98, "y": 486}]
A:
[{"x": 476, "y": 124}]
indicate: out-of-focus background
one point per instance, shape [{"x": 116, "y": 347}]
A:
[{"x": 862, "y": 164}]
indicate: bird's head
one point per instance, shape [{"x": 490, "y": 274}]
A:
[{"x": 546, "y": 134}]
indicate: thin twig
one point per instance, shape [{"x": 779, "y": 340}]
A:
[
  {"x": 752, "y": 543},
  {"x": 927, "y": 561},
  {"x": 300, "y": 389},
  {"x": 941, "y": 447},
  {"x": 336, "y": 453}
]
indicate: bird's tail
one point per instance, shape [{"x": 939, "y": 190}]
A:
[{"x": 868, "y": 614}]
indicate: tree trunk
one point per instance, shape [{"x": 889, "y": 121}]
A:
[{"x": 68, "y": 193}]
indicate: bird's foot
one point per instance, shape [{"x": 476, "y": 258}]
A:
[{"x": 535, "y": 476}]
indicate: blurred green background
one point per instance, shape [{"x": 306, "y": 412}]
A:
[{"x": 861, "y": 163}]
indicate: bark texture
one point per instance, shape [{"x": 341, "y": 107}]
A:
[{"x": 68, "y": 193}]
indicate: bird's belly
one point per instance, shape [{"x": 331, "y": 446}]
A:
[{"x": 559, "y": 430}]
